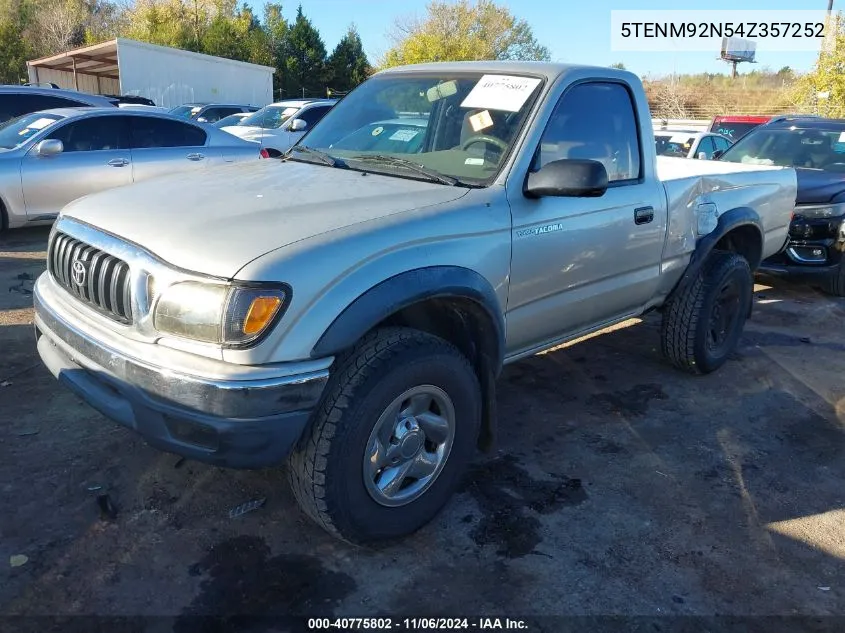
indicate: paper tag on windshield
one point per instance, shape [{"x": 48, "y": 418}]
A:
[
  {"x": 841, "y": 138},
  {"x": 480, "y": 121},
  {"x": 40, "y": 124},
  {"x": 500, "y": 92},
  {"x": 403, "y": 135},
  {"x": 474, "y": 161}
]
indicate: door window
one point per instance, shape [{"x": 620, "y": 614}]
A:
[
  {"x": 150, "y": 131},
  {"x": 93, "y": 134},
  {"x": 721, "y": 143},
  {"x": 312, "y": 115},
  {"x": 706, "y": 146},
  {"x": 212, "y": 115},
  {"x": 594, "y": 121}
]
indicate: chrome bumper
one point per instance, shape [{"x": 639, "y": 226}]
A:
[{"x": 224, "y": 398}]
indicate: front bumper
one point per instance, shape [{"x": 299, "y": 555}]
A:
[
  {"x": 814, "y": 250},
  {"x": 233, "y": 423}
]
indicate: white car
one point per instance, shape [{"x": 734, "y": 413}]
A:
[
  {"x": 690, "y": 144},
  {"x": 279, "y": 125}
]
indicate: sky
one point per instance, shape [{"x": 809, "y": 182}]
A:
[{"x": 575, "y": 31}]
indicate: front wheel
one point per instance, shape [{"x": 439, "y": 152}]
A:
[
  {"x": 393, "y": 435},
  {"x": 702, "y": 325},
  {"x": 835, "y": 284}
]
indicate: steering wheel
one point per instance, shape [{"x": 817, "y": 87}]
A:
[{"x": 483, "y": 138}]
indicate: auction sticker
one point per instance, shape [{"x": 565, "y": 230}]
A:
[
  {"x": 404, "y": 135},
  {"x": 378, "y": 130},
  {"x": 480, "y": 121},
  {"x": 500, "y": 92}
]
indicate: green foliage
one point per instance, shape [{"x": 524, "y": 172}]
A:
[
  {"x": 305, "y": 59},
  {"x": 462, "y": 30},
  {"x": 618, "y": 65},
  {"x": 15, "y": 48},
  {"x": 347, "y": 66},
  {"x": 822, "y": 90}
]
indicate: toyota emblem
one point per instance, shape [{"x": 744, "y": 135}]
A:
[{"x": 78, "y": 270}]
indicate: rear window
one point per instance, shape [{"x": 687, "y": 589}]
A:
[
  {"x": 733, "y": 131},
  {"x": 677, "y": 145}
]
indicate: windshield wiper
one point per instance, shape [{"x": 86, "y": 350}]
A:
[
  {"x": 326, "y": 159},
  {"x": 431, "y": 174}
]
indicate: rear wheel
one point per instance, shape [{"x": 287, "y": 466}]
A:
[
  {"x": 702, "y": 326},
  {"x": 394, "y": 433}
]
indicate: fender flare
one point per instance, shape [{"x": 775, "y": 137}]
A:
[
  {"x": 727, "y": 222},
  {"x": 405, "y": 289}
]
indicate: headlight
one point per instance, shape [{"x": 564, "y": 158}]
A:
[
  {"x": 822, "y": 211},
  {"x": 217, "y": 313}
]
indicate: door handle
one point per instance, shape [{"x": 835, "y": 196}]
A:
[
  {"x": 643, "y": 215},
  {"x": 118, "y": 162},
  {"x": 195, "y": 156}
]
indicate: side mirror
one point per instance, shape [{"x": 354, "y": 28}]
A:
[
  {"x": 702, "y": 156},
  {"x": 297, "y": 125},
  {"x": 571, "y": 177},
  {"x": 49, "y": 147},
  {"x": 718, "y": 153}
]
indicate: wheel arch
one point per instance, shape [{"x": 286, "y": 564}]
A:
[
  {"x": 454, "y": 303},
  {"x": 738, "y": 230}
]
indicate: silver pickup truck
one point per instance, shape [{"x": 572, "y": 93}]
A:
[{"x": 348, "y": 307}]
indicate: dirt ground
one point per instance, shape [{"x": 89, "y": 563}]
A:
[{"x": 620, "y": 486}]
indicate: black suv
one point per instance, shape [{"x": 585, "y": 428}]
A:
[
  {"x": 18, "y": 100},
  {"x": 815, "y": 147}
]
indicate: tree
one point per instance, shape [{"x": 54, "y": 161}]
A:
[
  {"x": 618, "y": 65},
  {"x": 15, "y": 49},
  {"x": 276, "y": 29},
  {"x": 463, "y": 31},
  {"x": 347, "y": 66},
  {"x": 304, "y": 65},
  {"x": 822, "y": 90}
]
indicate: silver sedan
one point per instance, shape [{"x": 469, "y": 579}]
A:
[{"x": 52, "y": 157}]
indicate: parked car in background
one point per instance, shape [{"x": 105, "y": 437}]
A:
[
  {"x": 232, "y": 119},
  {"x": 18, "y": 100},
  {"x": 735, "y": 127},
  {"x": 279, "y": 125},
  {"x": 351, "y": 308},
  {"x": 816, "y": 148},
  {"x": 141, "y": 106},
  {"x": 50, "y": 158},
  {"x": 689, "y": 144},
  {"x": 209, "y": 112}
]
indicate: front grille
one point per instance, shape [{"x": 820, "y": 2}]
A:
[{"x": 105, "y": 283}]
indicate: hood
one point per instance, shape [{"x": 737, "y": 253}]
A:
[
  {"x": 216, "y": 221},
  {"x": 819, "y": 187}
]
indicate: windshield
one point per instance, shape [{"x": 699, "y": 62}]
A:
[
  {"x": 232, "y": 119},
  {"x": 457, "y": 125},
  {"x": 733, "y": 131},
  {"x": 185, "y": 111},
  {"x": 791, "y": 147},
  {"x": 270, "y": 117},
  {"x": 676, "y": 145},
  {"x": 16, "y": 132}
]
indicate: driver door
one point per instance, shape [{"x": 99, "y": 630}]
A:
[
  {"x": 96, "y": 157},
  {"x": 580, "y": 262}
]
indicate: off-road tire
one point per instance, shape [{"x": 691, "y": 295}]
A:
[
  {"x": 325, "y": 469},
  {"x": 686, "y": 320},
  {"x": 835, "y": 284}
]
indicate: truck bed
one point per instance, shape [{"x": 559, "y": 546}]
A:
[{"x": 770, "y": 191}]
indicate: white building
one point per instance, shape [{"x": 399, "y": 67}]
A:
[{"x": 168, "y": 76}]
